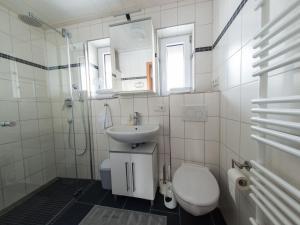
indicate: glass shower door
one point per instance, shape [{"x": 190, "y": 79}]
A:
[
  {"x": 70, "y": 108},
  {"x": 80, "y": 135}
]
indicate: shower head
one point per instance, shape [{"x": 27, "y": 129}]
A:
[{"x": 30, "y": 20}]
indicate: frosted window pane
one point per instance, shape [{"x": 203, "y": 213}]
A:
[{"x": 175, "y": 67}]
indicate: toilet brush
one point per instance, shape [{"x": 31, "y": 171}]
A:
[{"x": 169, "y": 198}]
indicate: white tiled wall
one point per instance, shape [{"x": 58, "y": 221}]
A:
[
  {"x": 27, "y": 158},
  {"x": 196, "y": 142},
  {"x": 232, "y": 65}
]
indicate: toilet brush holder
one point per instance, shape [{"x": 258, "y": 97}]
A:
[
  {"x": 169, "y": 198},
  {"x": 163, "y": 187}
]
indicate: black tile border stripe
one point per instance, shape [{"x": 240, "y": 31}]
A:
[
  {"x": 12, "y": 58},
  {"x": 198, "y": 49},
  {"x": 235, "y": 14},
  {"x": 72, "y": 66},
  {"x": 203, "y": 49},
  {"x": 26, "y": 62}
]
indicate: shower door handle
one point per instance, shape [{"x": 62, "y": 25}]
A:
[{"x": 126, "y": 170}]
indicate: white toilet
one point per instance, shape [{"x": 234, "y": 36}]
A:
[{"x": 196, "y": 189}]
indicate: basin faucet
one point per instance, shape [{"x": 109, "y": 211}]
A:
[{"x": 136, "y": 118}]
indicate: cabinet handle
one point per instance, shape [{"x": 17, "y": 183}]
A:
[
  {"x": 126, "y": 166},
  {"x": 132, "y": 171}
]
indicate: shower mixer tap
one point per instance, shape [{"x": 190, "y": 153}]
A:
[{"x": 68, "y": 103}]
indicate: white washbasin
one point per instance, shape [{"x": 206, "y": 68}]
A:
[{"x": 133, "y": 134}]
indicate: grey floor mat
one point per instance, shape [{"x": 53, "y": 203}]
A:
[{"x": 101, "y": 215}]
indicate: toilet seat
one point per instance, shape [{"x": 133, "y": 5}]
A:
[{"x": 196, "y": 185}]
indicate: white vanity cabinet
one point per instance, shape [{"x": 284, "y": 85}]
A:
[{"x": 134, "y": 172}]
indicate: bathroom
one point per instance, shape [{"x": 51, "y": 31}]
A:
[{"x": 170, "y": 112}]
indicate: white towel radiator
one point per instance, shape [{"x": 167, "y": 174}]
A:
[{"x": 276, "y": 200}]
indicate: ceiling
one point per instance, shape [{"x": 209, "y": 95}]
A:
[{"x": 67, "y": 12}]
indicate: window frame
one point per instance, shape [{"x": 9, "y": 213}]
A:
[
  {"x": 104, "y": 54},
  {"x": 101, "y": 72}
]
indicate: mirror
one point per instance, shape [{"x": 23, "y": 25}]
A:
[{"x": 132, "y": 56}]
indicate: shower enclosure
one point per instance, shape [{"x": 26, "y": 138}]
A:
[
  {"x": 69, "y": 92},
  {"x": 70, "y": 95},
  {"x": 44, "y": 113}
]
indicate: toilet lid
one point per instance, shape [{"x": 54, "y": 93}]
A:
[{"x": 196, "y": 185}]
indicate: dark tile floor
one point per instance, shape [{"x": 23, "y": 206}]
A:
[{"x": 67, "y": 201}]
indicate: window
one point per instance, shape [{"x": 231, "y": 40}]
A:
[
  {"x": 107, "y": 70},
  {"x": 99, "y": 60},
  {"x": 176, "y": 64}
]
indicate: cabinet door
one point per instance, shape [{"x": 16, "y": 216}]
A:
[
  {"x": 120, "y": 173},
  {"x": 142, "y": 176}
]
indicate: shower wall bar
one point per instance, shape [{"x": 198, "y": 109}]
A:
[{"x": 275, "y": 198}]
